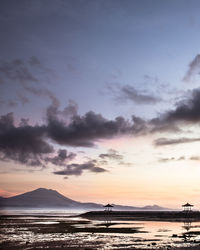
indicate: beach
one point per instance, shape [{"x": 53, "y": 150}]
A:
[{"x": 73, "y": 231}]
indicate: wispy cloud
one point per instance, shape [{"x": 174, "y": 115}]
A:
[
  {"x": 123, "y": 93},
  {"x": 16, "y": 70},
  {"x": 61, "y": 158},
  {"x": 78, "y": 169},
  {"x": 166, "y": 141},
  {"x": 194, "y": 69},
  {"x": 30, "y": 75},
  {"x": 195, "y": 158},
  {"x": 112, "y": 155},
  {"x": 181, "y": 158},
  {"x": 165, "y": 160}
]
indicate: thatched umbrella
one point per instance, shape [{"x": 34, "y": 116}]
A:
[
  {"x": 108, "y": 207},
  {"x": 187, "y": 207}
]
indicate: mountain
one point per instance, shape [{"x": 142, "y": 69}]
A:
[
  {"x": 150, "y": 208},
  {"x": 44, "y": 198},
  {"x": 154, "y": 207},
  {"x": 48, "y": 198}
]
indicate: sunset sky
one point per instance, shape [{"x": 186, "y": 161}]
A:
[{"x": 100, "y": 100}]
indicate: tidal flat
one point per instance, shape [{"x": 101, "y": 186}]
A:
[{"x": 71, "y": 231}]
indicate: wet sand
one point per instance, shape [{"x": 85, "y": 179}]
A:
[{"x": 67, "y": 232}]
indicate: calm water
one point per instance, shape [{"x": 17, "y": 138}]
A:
[{"x": 43, "y": 226}]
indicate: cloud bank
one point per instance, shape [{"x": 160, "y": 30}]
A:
[
  {"x": 187, "y": 111},
  {"x": 33, "y": 145},
  {"x": 165, "y": 141}
]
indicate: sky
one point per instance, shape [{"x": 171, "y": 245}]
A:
[{"x": 100, "y": 100}]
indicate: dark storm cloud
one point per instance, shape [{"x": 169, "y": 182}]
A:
[
  {"x": 25, "y": 144},
  {"x": 112, "y": 155},
  {"x": 160, "y": 125},
  {"x": 140, "y": 125},
  {"x": 166, "y": 141},
  {"x": 84, "y": 130},
  {"x": 128, "y": 92},
  {"x": 78, "y": 169},
  {"x": 194, "y": 69},
  {"x": 186, "y": 111},
  {"x": 28, "y": 144}
]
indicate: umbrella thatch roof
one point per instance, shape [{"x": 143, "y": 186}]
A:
[
  {"x": 108, "y": 205},
  {"x": 187, "y": 205}
]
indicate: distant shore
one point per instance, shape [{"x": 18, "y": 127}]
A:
[{"x": 178, "y": 216}]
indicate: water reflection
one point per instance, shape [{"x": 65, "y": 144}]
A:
[
  {"x": 187, "y": 224},
  {"x": 108, "y": 222},
  {"x": 41, "y": 231}
]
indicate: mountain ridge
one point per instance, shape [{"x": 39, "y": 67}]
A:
[{"x": 49, "y": 198}]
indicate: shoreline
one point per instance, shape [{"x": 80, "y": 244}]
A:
[
  {"x": 36, "y": 232},
  {"x": 171, "y": 216}
]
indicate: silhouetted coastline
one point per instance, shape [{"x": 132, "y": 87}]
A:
[{"x": 143, "y": 215}]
